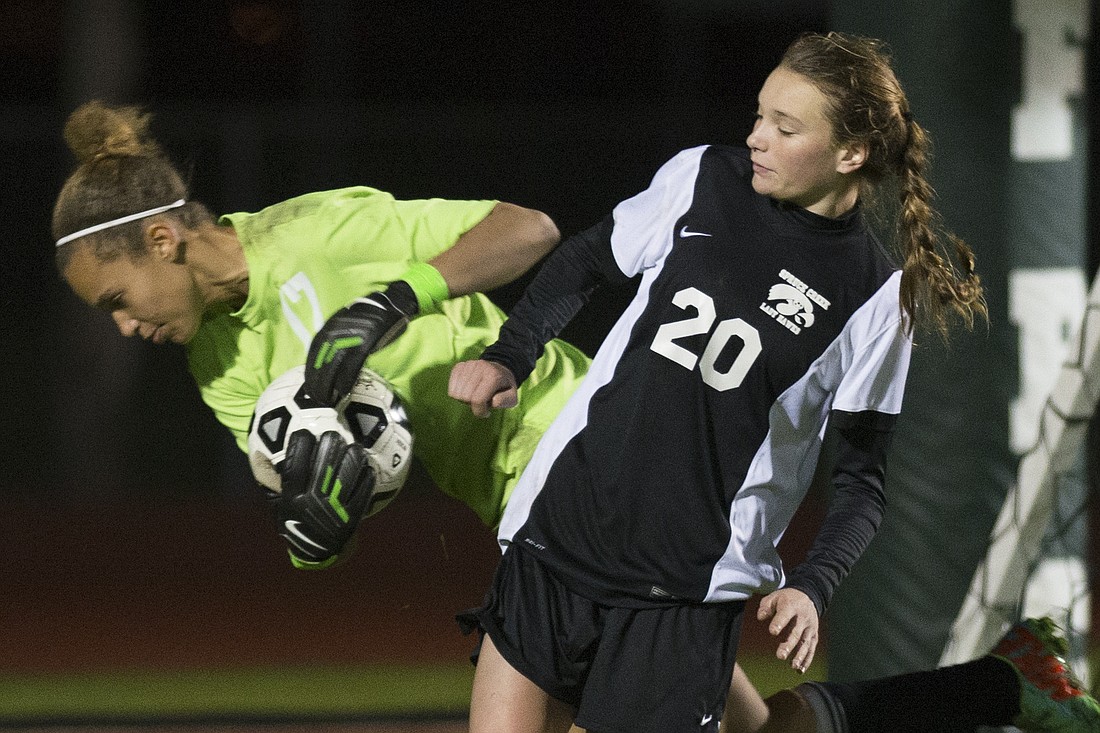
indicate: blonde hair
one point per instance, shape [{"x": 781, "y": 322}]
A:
[
  {"x": 120, "y": 170},
  {"x": 868, "y": 105}
]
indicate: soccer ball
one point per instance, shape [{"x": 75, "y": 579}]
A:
[{"x": 371, "y": 415}]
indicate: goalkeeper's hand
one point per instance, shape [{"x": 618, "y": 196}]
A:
[
  {"x": 353, "y": 333},
  {"x": 327, "y": 485}
]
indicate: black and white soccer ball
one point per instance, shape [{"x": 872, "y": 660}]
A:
[{"x": 371, "y": 415}]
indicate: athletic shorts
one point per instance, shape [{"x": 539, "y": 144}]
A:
[{"x": 630, "y": 670}]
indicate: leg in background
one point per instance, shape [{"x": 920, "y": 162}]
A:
[
  {"x": 746, "y": 711},
  {"x": 1024, "y": 681}
]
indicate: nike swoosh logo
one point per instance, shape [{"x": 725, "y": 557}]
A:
[
  {"x": 292, "y": 527},
  {"x": 708, "y": 717},
  {"x": 684, "y": 233}
]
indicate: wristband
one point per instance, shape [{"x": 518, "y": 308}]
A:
[{"x": 427, "y": 284}]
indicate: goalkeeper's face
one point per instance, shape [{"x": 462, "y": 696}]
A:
[{"x": 153, "y": 297}]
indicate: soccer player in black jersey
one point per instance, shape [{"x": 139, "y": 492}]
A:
[{"x": 766, "y": 310}]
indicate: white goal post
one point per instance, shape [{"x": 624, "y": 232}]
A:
[{"x": 998, "y": 584}]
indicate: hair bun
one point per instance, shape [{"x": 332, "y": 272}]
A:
[{"x": 95, "y": 131}]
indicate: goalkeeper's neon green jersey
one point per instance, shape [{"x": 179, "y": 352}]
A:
[{"x": 311, "y": 255}]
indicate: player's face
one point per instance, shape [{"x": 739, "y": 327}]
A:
[
  {"x": 148, "y": 297},
  {"x": 794, "y": 156}
]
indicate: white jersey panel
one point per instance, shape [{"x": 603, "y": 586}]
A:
[
  {"x": 645, "y": 223},
  {"x": 873, "y": 345},
  {"x": 876, "y": 380}
]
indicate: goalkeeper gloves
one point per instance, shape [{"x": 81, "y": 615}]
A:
[
  {"x": 327, "y": 485},
  {"x": 339, "y": 349}
]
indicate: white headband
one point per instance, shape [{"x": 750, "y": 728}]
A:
[{"x": 121, "y": 220}]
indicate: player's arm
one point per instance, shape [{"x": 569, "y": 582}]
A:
[
  {"x": 495, "y": 251},
  {"x": 851, "y": 521},
  {"x": 856, "y": 508},
  {"x": 562, "y": 286}
]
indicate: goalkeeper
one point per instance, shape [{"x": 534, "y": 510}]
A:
[
  {"x": 246, "y": 294},
  {"x": 251, "y": 295}
]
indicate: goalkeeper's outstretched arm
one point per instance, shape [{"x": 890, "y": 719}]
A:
[
  {"x": 495, "y": 251},
  {"x": 563, "y": 285},
  {"x": 500, "y": 248}
]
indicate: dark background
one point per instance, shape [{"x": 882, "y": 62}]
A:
[{"x": 567, "y": 107}]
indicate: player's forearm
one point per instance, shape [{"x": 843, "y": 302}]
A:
[
  {"x": 848, "y": 528},
  {"x": 559, "y": 290},
  {"x": 500, "y": 248},
  {"x": 856, "y": 509}
]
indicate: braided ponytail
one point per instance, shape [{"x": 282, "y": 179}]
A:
[
  {"x": 867, "y": 104},
  {"x": 938, "y": 275}
]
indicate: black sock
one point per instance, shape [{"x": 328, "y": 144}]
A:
[{"x": 951, "y": 699}]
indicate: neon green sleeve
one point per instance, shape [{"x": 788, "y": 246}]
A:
[
  {"x": 308, "y": 257},
  {"x": 312, "y": 255}
]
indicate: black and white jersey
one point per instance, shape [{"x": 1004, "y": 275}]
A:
[{"x": 675, "y": 468}]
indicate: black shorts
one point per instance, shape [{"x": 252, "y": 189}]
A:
[{"x": 662, "y": 669}]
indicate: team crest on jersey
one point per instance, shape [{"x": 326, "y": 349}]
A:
[{"x": 791, "y": 303}]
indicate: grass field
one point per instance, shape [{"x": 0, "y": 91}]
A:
[
  {"x": 394, "y": 699},
  {"x": 242, "y": 695},
  {"x": 266, "y": 695}
]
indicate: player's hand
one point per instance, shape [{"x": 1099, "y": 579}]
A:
[
  {"x": 353, "y": 333},
  {"x": 484, "y": 385},
  {"x": 792, "y": 618},
  {"x": 326, "y": 489}
]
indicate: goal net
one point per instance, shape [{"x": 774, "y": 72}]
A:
[{"x": 1034, "y": 563}]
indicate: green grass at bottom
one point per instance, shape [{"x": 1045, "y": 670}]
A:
[
  {"x": 294, "y": 693},
  {"x": 275, "y": 693}
]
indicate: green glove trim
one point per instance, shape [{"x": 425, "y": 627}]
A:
[
  {"x": 306, "y": 565},
  {"x": 427, "y": 284},
  {"x": 328, "y": 350},
  {"x": 334, "y": 497}
]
